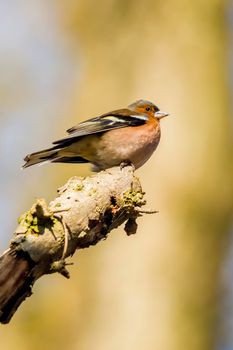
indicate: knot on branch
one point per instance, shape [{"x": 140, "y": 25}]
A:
[
  {"x": 37, "y": 217},
  {"x": 83, "y": 214}
]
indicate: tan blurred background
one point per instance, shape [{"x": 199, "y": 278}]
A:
[{"x": 168, "y": 287}]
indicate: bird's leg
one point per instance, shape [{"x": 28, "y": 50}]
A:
[{"x": 126, "y": 163}]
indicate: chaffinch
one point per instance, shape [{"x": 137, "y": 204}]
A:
[{"x": 128, "y": 135}]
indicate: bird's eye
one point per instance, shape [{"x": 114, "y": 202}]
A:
[{"x": 148, "y": 109}]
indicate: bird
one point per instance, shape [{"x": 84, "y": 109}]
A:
[{"x": 125, "y": 136}]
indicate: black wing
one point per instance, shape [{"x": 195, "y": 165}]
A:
[{"x": 113, "y": 120}]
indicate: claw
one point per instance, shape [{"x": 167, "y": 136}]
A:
[{"x": 127, "y": 163}]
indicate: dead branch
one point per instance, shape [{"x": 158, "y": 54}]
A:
[{"x": 83, "y": 213}]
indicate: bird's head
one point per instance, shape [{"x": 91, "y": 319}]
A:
[{"x": 147, "y": 107}]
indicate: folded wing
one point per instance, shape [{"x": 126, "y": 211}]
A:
[{"x": 114, "y": 120}]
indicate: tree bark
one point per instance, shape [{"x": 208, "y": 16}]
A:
[{"x": 83, "y": 213}]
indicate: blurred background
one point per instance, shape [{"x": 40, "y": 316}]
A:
[{"x": 170, "y": 286}]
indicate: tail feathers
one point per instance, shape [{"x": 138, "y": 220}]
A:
[
  {"x": 40, "y": 157},
  {"x": 70, "y": 159},
  {"x": 52, "y": 155}
]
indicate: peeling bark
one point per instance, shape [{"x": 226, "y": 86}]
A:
[{"x": 83, "y": 213}]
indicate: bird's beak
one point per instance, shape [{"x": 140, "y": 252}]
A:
[{"x": 160, "y": 114}]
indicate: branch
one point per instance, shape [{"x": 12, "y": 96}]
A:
[{"x": 83, "y": 213}]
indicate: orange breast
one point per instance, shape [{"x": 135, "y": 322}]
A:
[{"x": 133, "y": 143}]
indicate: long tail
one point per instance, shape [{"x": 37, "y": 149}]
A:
[
  {"x": 41, "y": 156},
  {"x": 54, "y": 155}
]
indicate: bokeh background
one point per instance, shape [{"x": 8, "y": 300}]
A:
[{"x": 170, "y": 286}]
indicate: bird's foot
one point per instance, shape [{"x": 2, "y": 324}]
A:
[{"x": 127, "y": 163}]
